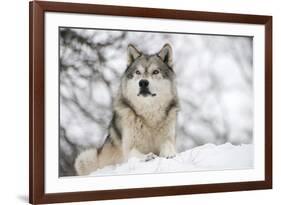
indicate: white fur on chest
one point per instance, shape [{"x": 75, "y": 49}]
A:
[{"x": 147, "y": 132}]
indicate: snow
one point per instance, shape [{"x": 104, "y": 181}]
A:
[{"x": 208, "y": 157}]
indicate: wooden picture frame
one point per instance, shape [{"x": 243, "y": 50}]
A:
[{"x": 37, "y": 10}]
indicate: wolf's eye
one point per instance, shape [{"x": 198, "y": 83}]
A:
[
  {"x": 138, "y": 72},
  {"x": 155, "y": 72}
]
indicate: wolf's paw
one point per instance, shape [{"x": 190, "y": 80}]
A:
[
  {"x": 149, "y": 157},
  {"x": 170, "y": 156},
  {"x": 168, "y": 151}
]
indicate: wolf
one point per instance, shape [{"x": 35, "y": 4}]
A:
[{"x": 144, "y": 113}]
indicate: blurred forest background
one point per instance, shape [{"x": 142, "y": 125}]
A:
[{"x": 214, "y": 81}]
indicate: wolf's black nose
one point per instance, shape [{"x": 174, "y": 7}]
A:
[{"x": 143, "y": 83}]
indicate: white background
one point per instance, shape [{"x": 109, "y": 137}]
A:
[{"x": 14, "y": 100}]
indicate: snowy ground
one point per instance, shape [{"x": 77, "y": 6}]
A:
[{"x": 203, "y": 158}]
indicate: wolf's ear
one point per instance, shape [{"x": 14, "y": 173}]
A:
[
  {"x": 166, "y": 55},
  {"x": 133, "y": 54}
]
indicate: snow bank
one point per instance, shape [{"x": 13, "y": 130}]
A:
[{"x": 202, "y": 158}]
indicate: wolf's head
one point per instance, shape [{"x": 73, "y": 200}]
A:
[{"x": 149, "y": 79}]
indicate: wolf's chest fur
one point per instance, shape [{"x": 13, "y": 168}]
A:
[
  {"x": 148, "y": 138},
  {"x": 145, "y": 128}
]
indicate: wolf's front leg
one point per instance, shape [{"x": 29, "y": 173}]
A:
[{"x": 167, "y": 149}]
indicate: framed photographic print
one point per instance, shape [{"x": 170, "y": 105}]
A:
[{"x": 139, "y": 102}]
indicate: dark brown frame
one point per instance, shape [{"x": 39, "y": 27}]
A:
[{"x": 37, "y": 95}]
